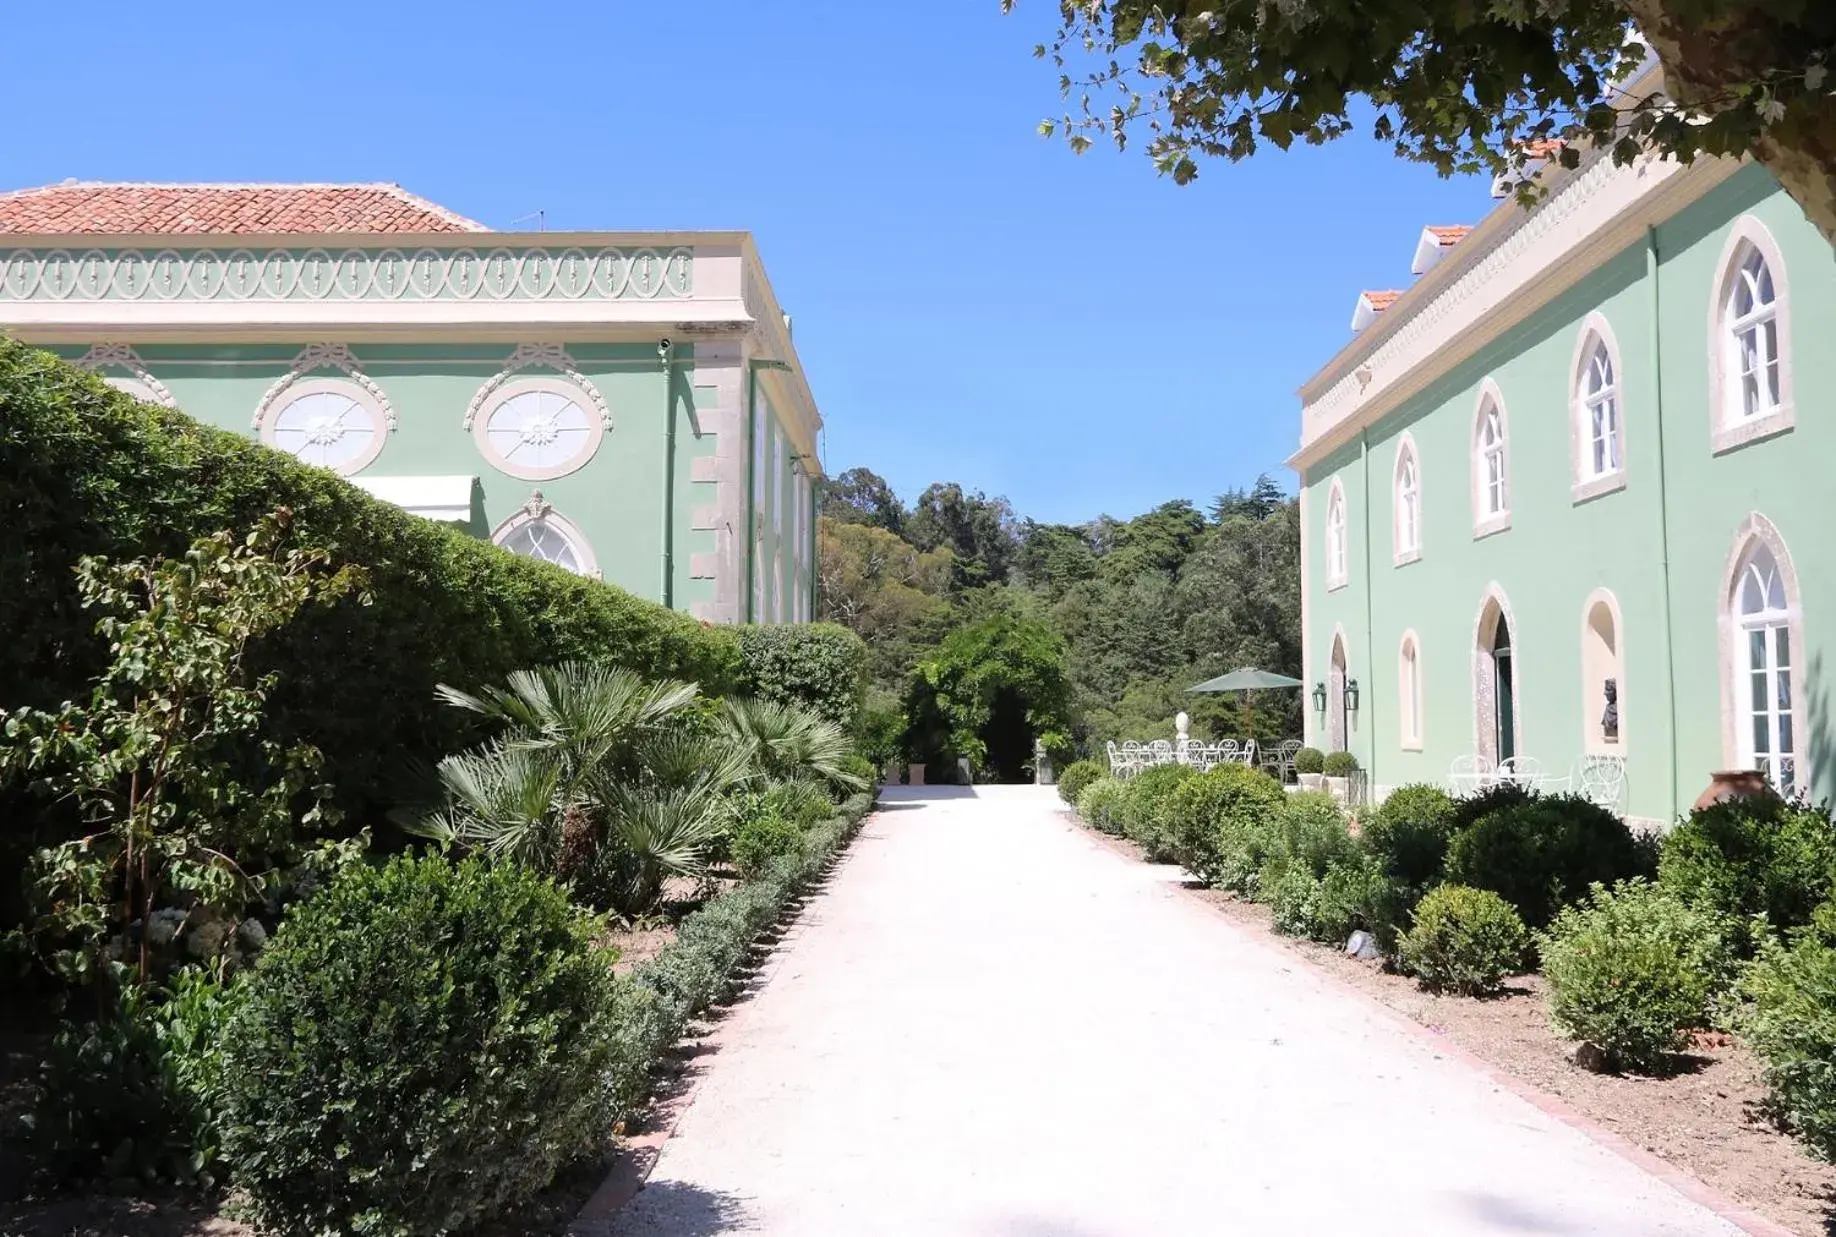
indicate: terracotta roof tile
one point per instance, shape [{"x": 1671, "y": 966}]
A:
[
  {"x": 1450, "y": 235},
  {"x": 1380, "y": 301},
  {"x": 98, "y": 209}
]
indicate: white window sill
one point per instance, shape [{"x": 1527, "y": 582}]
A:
[
  {"x": 1404, "y": 557},
  {"x": 1594, "y": 487},
  {"x": 1411, "y": 745},
  {"x": 1333, "y": 586},
  {"x": 1490, "y": 524},
  {"x": 1752, "y": 429}
]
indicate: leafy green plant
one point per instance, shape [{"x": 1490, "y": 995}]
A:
[
  {"x": 990, "y": 690},
  {"x": 1793, "y": 1029},
  {"x": 1356, "y": 894},
  {"x": 762, "y": 837},
  {"x": 1203, "y": 810},
  {"x": 1309, "y": 760},
  {"x": 1100, "y": 804},
  {"x": 1748, "y": 857},
  {"x": 786, "y": 743},
  {"x": 135, "y": 1094},
  {"x": 817, "y": 667},
  {"x": 1407, "y": 835},
  {"x": 1339, "y": 764},
  {"x": 880, "y": 731},
  {"x": 1077, "y": 775},
  {"x": 157, "y": 761},
  {"x": 420, "y": 1047},
  {"x": 1293, "y": 893},
  {"x": 1464, "y": 940},
  {"x": 1310, "y": 832},
  {"x": 1543, "y": 851},
  {"x": 1632, "y": 970},
  {"x": 1142, "y": 812}
]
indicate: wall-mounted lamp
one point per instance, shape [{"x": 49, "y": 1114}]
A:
[
  {"x": 1351, "y": 695},
  {"x": 1319, "y": 697}
]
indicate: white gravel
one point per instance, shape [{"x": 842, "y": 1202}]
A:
[{"x": 992, "y": 1025}]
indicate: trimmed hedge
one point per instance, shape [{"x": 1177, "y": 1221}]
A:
[
  {"x": 85, "y": 469},
  {"x": 1077, "y": 775},
  {"x": 1541, "y": 852},
  {"x": 820, "y": 666},
  {"x": 1464, "y": 940},
  {"x": 1748, "y": 857}
]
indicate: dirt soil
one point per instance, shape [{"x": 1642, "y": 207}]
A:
[{"x": 1705, "y": 1118}]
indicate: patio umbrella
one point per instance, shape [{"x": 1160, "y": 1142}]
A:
[{"x": 1246, "y": 681}]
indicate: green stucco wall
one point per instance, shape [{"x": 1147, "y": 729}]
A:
[{"x": 1661, "y": 545}]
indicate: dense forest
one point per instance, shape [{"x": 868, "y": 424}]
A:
[{"x": 1108, "y": 623}]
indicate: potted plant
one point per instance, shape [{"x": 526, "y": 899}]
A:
[
  {"x": 1338, "y": 768},
  {"x": 1308, "y": 762}
]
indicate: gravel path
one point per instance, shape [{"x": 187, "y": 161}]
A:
[{"x": 992, "y": 1026}]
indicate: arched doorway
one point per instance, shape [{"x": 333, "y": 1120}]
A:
[
  {"x": 1495, "y": 731},
  {"x": 1335, "y": 697}
]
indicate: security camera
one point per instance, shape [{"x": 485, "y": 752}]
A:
[{"x": 662, "y": 347}]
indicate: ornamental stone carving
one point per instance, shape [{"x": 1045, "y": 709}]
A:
[
  {"x": 538, "y": 356},
  {"x": 103, "y": 357},
  {"x": 316, "y": 357},
  {"x": 500, "y": 274}
]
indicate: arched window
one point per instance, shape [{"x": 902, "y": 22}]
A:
[
  {"x": 1407, "y": 503},
  {"x": 1491, "y": 465},
  {"x": 1338, "y": 553},
  {"x": 1765, "y": 704},
  {"x": 1603, "y": 676},
  {"x": 1750, "y": 342},
  {"x": 1409, "y": 691},
  {"x": 537, "y": 530},
  {"x": 1597, "y": 405}
]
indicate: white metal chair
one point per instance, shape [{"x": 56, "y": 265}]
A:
[
  {"x": 1249, "y": 752},
  {"x": 1162, "y": 752},
  {"x": 1526, "y": 771},
  {"x": 1470, "y": 773},
  {"x": 1603, "y": 780}
]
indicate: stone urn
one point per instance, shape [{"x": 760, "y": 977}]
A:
[
  {"x": 1729, "y": 784},
  {"x": 1312, "y": 781},
  {"x": 915, "y": 773}
]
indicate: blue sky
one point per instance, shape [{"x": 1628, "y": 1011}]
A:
[{"x": 972, "y": 303}]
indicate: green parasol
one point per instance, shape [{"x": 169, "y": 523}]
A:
[{"x": 1246, "y": 681}]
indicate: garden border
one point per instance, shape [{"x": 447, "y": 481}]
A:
[{"x": 1677, "y": 1178}]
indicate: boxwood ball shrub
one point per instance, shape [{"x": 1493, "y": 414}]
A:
[
  {"x": 1310, "y": 831},
  {"x": 1143, "y": 808},
  {"x": 1309, "y": 760},
  {"x": 421, "y": 1046},
  {"x": 1541, "y": 852},
  {"x": 1100, "y": 802},
  {"x": 1632, "y": 971},
  {"x": 1221, "y": 802},
  {"x": 762, "y": 837},
  {"x": 1293, "y": 893},
  {"x": 1793, "y": 1029},
  {"x": 1464, "y": 940},
  {"x": 1407, "y": 834},
  {"x": 1077, "y": 775},
  {"x": 1339, "y": 764},
  {"x": 1757, "y": 856},
  {"x": 819, "y": 666}
]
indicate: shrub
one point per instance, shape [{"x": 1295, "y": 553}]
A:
[
  {"x": 880, "y": 731},
  {"x": 89, "y": 470},
  {"x": 1246, "y": 841},
  {"x": 1309, "y": 760},
  {"x": 1293, "y": 893},
  {"x": 1310, "y": 832},
  {"x": 1631, "y": 970},
  {"x": 858, "y": 766},
  {"x": 1100, "y": 803},
  {"x": 1407, "y": 835},
  {"x": 420, "y": 1046},
  {"x": 1204, "y": 809},
  {"x": 136, "y": 1094},
  {"x": 1747, "y": 857},
  {"x": 1464, "y": 940},
  {"x": 1339, "y": 764},
  {"x": 1142, "y": 812},
  {"x": 762, "y": 837},
  {"x": 1077, "y": 775},
  {"x": 1540, "y": 852},
  {"x": 1793, "y": 1029},
  {"x": 1358, "y": 895},
  {"x": 817, "y": 666}
]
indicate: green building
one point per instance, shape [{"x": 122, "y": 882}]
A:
[
  {"x": 1584, "y": 460},
  {"x": 626, "y": 405}
]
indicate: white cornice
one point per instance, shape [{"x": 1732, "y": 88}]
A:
[
  {"x": 78, "y": 241},
  {"x": 1513, "y": 265}
]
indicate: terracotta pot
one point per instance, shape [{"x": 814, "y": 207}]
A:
[
  {"x": 916, "y": 769},
  {"x": 1733, "y": 784}
]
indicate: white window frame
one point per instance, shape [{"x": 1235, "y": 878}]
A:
[
  {"x": 1594, "y": 346},
  {"x": 1731, "y": 426},
  {"x": 539, "y": 510},
  {"x": 1409, "y": 692},
  {"x": 560, "y": 387},
  {"x": 1338, "y": 539},
  {"x": 1737, "y": 629},
  {"x": 1491, "y": 495},
  {"x": 1406, "y": 504},
  {"x": 357, "y": 393}
]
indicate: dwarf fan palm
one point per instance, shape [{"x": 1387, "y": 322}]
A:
[{"x": 786, "y": 743}]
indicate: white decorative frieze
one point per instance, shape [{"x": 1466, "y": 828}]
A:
[{"x": 103, "y": 357}]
